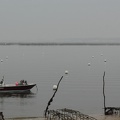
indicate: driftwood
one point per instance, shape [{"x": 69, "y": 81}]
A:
[{"x": 51, "y": 99}]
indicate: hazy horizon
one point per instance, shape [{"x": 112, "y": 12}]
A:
[
  {"x": 44, "y": 20},
  {"x": 70, "y": 40}
]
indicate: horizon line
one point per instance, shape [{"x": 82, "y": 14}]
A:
[{"x": 58, "y": 43}]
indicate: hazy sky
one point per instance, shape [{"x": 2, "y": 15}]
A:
[{"x": 53, "y": 20}]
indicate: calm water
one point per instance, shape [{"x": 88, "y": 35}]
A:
[{"x": 81, "y": 89}]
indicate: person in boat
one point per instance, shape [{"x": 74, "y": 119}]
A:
[
  {"x": 16, "y": 83},
  {"x": 23, "y": 82},
  {"x": 2, "y": 82}
]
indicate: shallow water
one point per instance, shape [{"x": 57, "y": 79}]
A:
[{"x": 81, "y": 89}]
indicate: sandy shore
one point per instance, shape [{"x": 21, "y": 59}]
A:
[
  {"x": 98, "y": 117},
  {"x": 107, "y": 117},
  {"x": 26, "y": 118}
]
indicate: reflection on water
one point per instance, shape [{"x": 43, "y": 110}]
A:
[
  {"x": 20, "y": 95},
  {"x": 16, "y": 102}
]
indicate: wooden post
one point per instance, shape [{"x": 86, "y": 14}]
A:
[
  {"x": 51, "y": 99},
  {"x": 104, "y": 92}
]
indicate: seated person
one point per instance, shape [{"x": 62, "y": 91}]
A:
[{"x": 2, "y": 81}]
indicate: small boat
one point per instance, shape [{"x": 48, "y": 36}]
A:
[{"x": 18, "y": 87}]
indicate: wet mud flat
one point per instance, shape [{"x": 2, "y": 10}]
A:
[
  {"x": 26, "y": 118},
  {"x": 98, "y": 117}
]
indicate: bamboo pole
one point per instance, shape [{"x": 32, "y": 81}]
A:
[{"x": 104, "y": 92}]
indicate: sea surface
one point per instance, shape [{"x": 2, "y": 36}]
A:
[{"x": 81, "y": 89}]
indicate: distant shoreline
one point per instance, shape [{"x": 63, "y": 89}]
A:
[{"x": 59, "y": 43}]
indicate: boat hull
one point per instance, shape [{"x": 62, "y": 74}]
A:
[{"x": 16, "y": 89}]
